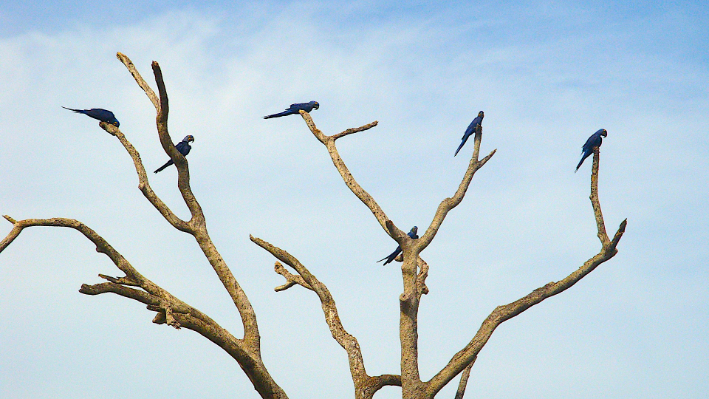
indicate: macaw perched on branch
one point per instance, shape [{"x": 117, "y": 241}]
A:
[
  {"x": 594, "y": 141},
  {"x": 471, "y": 129},
  {"x": 98, "y": 113},
  {"x": 294, "y": 108},
  {"x": 397, "y": 251},
  {"x": 183, "y": 147}
]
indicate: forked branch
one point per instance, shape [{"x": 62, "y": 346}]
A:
[
  {"x": 365, "y": 385},
  {"x": 467, "y": 355},
  {"x": 171, "y": 310},
  {"x": 196, "y": 226},
  {"x": 357, "y": 190},
  {"x": 449, "y": 203}
]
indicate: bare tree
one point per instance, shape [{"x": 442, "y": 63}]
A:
[{"x": 246, "y": 351}]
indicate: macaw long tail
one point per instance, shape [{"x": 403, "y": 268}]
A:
[
  {"x": 278, "y": 115},
  {"x": 581, "y": 162},
  {"x": 461, "y": 145},
  {"x": 78, "y": 111},
  {"x": 168, "y": 163}
]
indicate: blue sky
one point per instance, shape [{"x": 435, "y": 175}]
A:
[{"x": 546, "y": 74}]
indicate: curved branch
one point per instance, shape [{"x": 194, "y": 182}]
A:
[
  {"x": 144, "y": 184},
  {"x": 197, "y": 224},
  {"x": 102, "y": 246},
  {"x": 291, "y": 279},
  {"x": 374, "y": 384},
  {"x": 449, "y": 203},
  {"x": 183, "y": 172},
  {"x": 364, "y": 384}
]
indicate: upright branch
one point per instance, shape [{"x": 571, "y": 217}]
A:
[
  {"x": 449, "y": 203},
  {"x": 409, "y": 300},
  {"x": 466, "y": 356},
  {"x": 183, "y": 172},
  {"x": 463, "y": 384},
  {"x": 365, "y": 385},
  {"x": 414, "y": 269},
  {"x": 602, "y": 235}
]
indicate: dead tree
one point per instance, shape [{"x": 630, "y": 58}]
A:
[{"x": 246, "y": 351}]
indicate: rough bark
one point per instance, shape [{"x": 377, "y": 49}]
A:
[{"x": 171, "y": 310}]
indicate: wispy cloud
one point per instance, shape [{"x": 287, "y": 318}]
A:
[{"x": 547, "y": 76}]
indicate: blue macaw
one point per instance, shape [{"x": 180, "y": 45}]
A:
[
  {"x": 471, "y": 129},
  {"x": 594, "y": 141},
  {"x": 183, "y": 147},
  {"x": 294, "y": 108},
  {"x": 397, "y": 251},
  {"x": 98, "y": 113}
]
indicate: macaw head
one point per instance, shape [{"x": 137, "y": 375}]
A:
[
  {"x": 481, "y": 114},
  {"x": 603, "y": 132},
  {"x": 315, "y": 104},
  {"x": 414, "y": 230},
  {"x": 116, "y": 123},
  {"x": 189, "y": 138}
]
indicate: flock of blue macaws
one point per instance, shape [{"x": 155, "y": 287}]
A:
[{"x": 184, "y": 147}]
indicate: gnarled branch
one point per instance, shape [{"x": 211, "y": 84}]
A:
[
  {"x": 365, "y": 385},
  {"x": 197, "y": 224},
  {"x": 171, "y": 310}
]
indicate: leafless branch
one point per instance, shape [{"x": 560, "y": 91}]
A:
[
  {"x": 171, "y": 310},
  {"x": 174, "y": 311},
  {"x": 183, "y": 172},
  {"x": 144, "y": 184},
  {"x": 357, "y": 190},
  {"x": 467, "y": 355},
  {"x": 421, "y": 288},
  {"x": 463, "y": 384},
  {"x": 139, "y": 79},
  {"x": 449, "y": 203},
  {"x": 197, "y": 224},
  {"x": 355, "y": 130},
  {"x": 364, "y": 384},
  {"x": 290, "y": 278},
  {"x": 602, "y": 235}
]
